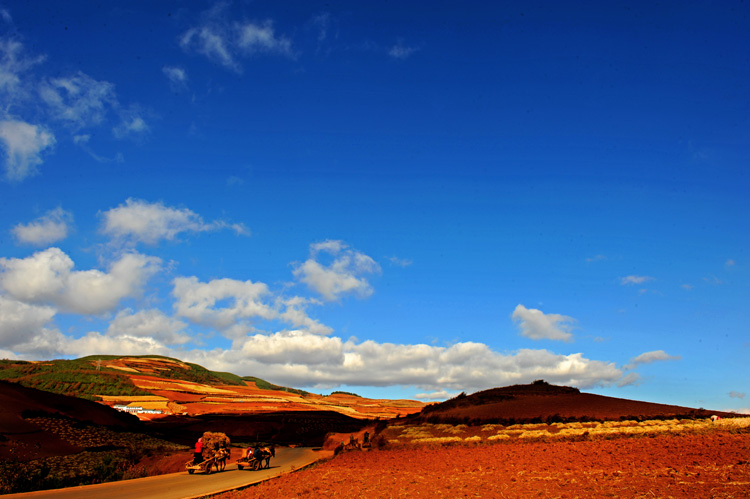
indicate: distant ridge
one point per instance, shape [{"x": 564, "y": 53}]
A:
[
  {"x": 153, "y": 387},
  {"x": 541, "y": 402}
]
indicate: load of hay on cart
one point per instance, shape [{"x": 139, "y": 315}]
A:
[{"x": 215, "y": 453}]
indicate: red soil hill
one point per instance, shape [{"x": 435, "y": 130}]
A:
[{"x": 542, "y": 402}]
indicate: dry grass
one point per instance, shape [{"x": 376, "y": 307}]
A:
[{"x": 441, "y": 434}]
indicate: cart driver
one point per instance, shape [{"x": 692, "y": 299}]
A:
[{"x": 198, "y": 456}]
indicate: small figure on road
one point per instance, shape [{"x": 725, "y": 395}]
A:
[{"x": 198, "y": 456}]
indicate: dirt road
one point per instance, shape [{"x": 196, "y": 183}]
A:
[{"x": 184, "y": 486}]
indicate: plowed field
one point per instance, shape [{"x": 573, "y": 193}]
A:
[{"x": 668, "y": 466}]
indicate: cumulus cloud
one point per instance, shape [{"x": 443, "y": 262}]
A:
[
  {"x": 343, "y": 273},
  {"x": 141, "y": 221},
  {"x": 651, "y": 357},
  {"x": 436, "y": 395},
  {"x": 47, "y": 277},
  {"x": 95, "y": 343},
  {"x": 23, "y": 144},
  {"x": 302, "y": 359},
  {"x": 19, "y": 321},
  {"x": 47, "y": 229},
  {"x": 225, "y": 42},
  {"x": 537, "y": 325},
  {"x": 234, "y": 306},
  {"x": 199, "y": 301},
  {"x": 635, "y": 279},
  {"x": 147, "y": 324}
]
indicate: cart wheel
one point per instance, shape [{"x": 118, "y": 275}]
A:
[
  {"x": 191, "y": 471},
  {"x": 239, "y": 466}
]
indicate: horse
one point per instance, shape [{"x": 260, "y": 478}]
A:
[
  {"x": 266, "y": 453},
  {"x": 220, "y": 459}
]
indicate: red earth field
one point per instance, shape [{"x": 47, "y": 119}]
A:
[
  {"x": 176, "y": 396},
  {"x": 667, "y": 466}
]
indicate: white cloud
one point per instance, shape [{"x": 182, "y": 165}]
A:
[
  {"x": 400, "y": 262},
  {"x": 635, "y": 279},
  {"x": 13, "y": 64},
  {"x": 294, "y": 313},
  {"x": 235, "y": 307},
  {"x": 343, "y": 275},
  {"x": 150, "y": 323},
  {"x": 737, "y": 395},
  {"x": 132, "y": 123},
  {"x": 47, "y": 277},
  {"x": 650, "y": 357},
  {"x": 19, "y": 321},
  {"x": 402, "y": 51},
  {"x": 224, "y": 42},
  {"x": 95, "y": 343},
  {"x": 261, "y": 38},
  {"x": 302, "y": 359},
  {"x": 141, "y": 221},
  {"x": 47, "y": 229},
  {"x": 596, "y": 258},
  {"x": 211, "y": 42},
  {"x": 24, "y": 144},
  {"x": 436, "y": 395},
  {"x": 537, "y": 325},
  {"x": 78, "y": 100},
  {"x": 197, "y": 301},
  {"x": 177, "y": 77}
]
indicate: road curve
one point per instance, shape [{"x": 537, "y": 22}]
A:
[{"x": 183, "y": 485}]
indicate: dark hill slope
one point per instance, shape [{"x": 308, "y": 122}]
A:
[
  {"x": 21, "y": 439},
  {"x": 542, "y": 402}
]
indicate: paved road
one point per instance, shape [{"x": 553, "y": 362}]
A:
[{"x": 183, "y": 485}]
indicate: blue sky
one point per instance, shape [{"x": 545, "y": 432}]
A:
[{"x": 382, "y": 198}]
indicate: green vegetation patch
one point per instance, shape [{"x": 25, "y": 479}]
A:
[
  {"x": 77, "y": 378},
  {"x": 265, "y": 385}
]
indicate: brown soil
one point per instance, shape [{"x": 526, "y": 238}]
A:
[{"x": 687, "y": 466}]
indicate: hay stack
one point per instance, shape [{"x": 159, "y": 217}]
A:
[{"x": 212, "y": 442}]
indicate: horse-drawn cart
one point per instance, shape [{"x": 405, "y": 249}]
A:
[
  {"x": 249, "y": 463},
  {"x": 255, "y": 460},
  {"x": 219, "y": 460},
  {"x": 215, "y": 452}
]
